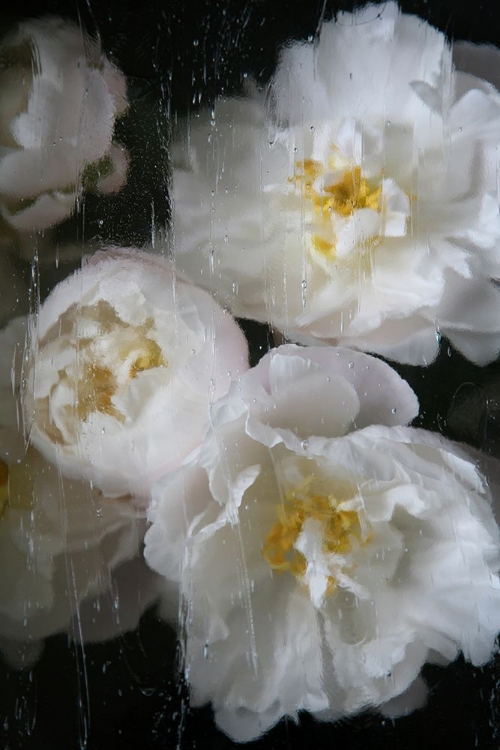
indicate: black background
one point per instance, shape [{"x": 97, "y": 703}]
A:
[{"x": 128, "y": 693}]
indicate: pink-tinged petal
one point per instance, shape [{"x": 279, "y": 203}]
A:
[{"x": 134, "y": 401}]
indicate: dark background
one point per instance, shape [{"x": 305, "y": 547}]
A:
[{"x": 128, "y": 693}]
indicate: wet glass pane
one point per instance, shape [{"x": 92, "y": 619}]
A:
[{"x": 249, "y": 380}]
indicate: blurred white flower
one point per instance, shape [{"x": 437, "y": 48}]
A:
[
  {"x": 362, "y": 208},
  {"x": 325, "y": 551},
  {"x": 62, "y": 545},
  {"x": 60, "y": 100},
  {"x": 122, "y": 364}
]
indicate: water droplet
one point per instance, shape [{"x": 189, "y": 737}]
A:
[{"x": 147, "y": 690}]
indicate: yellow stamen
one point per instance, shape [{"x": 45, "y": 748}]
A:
[
  {"x": 150, "y": 358},
  {"x": 95, "y": 391},
  {"x": 97, "y": 381},
  {"x": 98, "y": 384},
  {"x": 322, "y": 246},
  {"x": 341, "y": 528},
  {"x": 351, "y": 193},
  {"x": 342, "y": 198}
]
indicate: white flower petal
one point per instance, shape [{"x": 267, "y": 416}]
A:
[
  {"x": 341, "y": 210},
  {"x": 57, "y": 124},
  {"x": 61, "y": 544},
  {"x": 356, "y": 555},
  {"x": 45, "y": 212},
  {"x": 123, "y": 396}
]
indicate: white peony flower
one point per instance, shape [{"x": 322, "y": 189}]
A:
[
  {"x": 60, "y": 99},
  {"x": 325, "y": 551},
  {"x": 62, "y": 545},
  {"x": 123, "y": 362},
  {"x": 364, "y": 209}
]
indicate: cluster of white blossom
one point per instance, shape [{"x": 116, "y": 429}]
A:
[
  {"x": 111, "y": 385},
  {"x": 313, "y": 548}
]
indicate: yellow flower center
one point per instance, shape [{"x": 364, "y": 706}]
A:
[
  {"x": 340, "y": 529},
  {"x": 342, "y": 198},
  {"x": 105, "y": 363},
  {"x": 149, "y": 358},
  {"x": 98, "y": 385}
]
